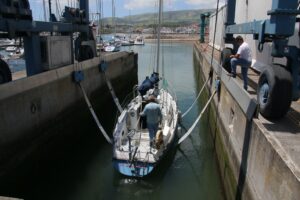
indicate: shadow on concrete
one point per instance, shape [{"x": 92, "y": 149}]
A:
[
  {"x": 287, "y": 125},
  {"x": 244, "y": 161}
]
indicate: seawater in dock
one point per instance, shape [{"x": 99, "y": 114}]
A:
[{"x": 74, "y": 162}]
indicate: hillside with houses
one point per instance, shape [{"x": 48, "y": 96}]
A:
[{"x": 186, "y": 21}]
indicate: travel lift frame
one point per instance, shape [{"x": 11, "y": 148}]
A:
[
  {"x": 278, "y": 85},
  {"x": 16, "y": 21}
]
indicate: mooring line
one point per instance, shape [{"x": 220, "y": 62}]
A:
[
  {"x": 202, "y": 89},
  {"x": 112, "y": 92},
  {"x": 94, "y": 114},
  {"x": 197, "y": 120}
]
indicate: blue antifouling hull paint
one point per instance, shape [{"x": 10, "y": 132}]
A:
[{"x": 136, "y": 169}]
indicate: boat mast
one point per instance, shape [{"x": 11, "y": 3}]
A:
[
  {"x": 50, "y": 10},
  {"x": 113, "y": 16},
  {"x": 45, "y": 11},
  {"x": 158, "y": 35},
  {"x": 101, "y": 15}
]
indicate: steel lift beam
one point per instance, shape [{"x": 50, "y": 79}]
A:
[
  {"x": 16, "y": 21},
  {"x": 278, "y": 85}
]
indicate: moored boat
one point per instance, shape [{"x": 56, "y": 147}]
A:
[
  {"x": 139, "y": 40},
  {"x": 112, "y": 47},
  {"x": 134, "y": 152}
]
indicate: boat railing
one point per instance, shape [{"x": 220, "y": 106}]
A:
[{"x": 128, "y": 98}]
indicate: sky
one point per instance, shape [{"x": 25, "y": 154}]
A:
[{"x": 125, "y": 7}]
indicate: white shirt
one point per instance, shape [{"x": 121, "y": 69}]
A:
[{"x": 245, "y": 52}]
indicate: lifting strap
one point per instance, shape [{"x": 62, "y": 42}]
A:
[
  {"x": 188, "y": 110},
  {"x": 112, "y": 92},
  {"x": 197, "y": 120},
  {"x": 94, "y": 114}
]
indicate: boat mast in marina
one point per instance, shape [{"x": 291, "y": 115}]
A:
[
  {"x": 113, "y": 17},
  {"x": 45, "y": 12},
  {"x": 158, "y": 35}
]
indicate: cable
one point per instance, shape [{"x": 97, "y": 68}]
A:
[
  {"x": 197, "y": 120},
  {"x": 214, "y": 37}
]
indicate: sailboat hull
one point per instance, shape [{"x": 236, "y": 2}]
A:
[
  {"x": 132, "y": 153},
  {"x": 142, "y": 169},
  {"x": 135, "y": 169}
]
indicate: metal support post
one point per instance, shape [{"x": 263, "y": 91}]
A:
[
  {"x": 32, "y": 48},
  {"x": 294, "y": 63},
  {"x": 202, "y": 26},
  {"x": 84, "y": 5}
]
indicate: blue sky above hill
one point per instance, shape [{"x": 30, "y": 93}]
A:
[{"x": 125, "y": 7}]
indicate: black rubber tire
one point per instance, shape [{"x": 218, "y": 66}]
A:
[
  {"x": 280, "y": 89},
  {"x": 225, "y": 59},
  {"x": 5, "y": 73},
  {"x": 86, "y": 53}
]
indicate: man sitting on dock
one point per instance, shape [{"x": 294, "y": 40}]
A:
[
  {"x": 242, "y": 58},
  {"x": 153, "y": 117}
]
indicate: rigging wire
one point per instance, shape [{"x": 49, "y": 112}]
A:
[
  {"x": 162, "y": 50},
  {"x": 152, "y": 57},
  {"x": 58, "y": 10},
  {"x": 214, "y": 37},
  {"x": 45, "y": 11}
]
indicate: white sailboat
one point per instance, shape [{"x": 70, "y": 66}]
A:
[
  {"x": 139, "y": 40},
  {"x": 133, "y": 155}
]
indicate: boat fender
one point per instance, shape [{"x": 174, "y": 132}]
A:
[
  {"x": 103, "y": 66},
  {"x": 78, "y": 76},
  {"x": 159, "y": 139}
]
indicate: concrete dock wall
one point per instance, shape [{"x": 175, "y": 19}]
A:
[
  {"x": 252, "y": 163},
  {"x": 31, "y": 105}
]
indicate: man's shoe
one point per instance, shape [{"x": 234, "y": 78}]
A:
[{"x": 231, "y": 75}]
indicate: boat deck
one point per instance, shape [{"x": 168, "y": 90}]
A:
[{"x": 139, "y": 142}]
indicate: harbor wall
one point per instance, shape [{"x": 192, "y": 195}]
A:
[
  {"x": 251, "y": 162},
  {"x": 31, "y": 106}
]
